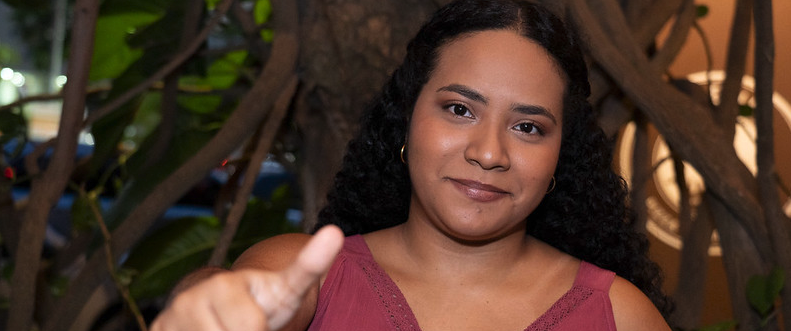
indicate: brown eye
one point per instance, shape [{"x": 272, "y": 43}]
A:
[
  {"x": 459, "y": 110},
  {"x": 529, "y": 128}
]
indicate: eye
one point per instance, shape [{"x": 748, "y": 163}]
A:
[
  {"x": 459, "y": 110},
  {"x": 529, "y": 128}
]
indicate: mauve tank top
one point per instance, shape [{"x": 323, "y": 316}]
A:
[{"x": 358, "y": 295}]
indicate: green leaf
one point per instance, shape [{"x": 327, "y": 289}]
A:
[
  {"x": 111, "y": 54},
  {"x": 775, "y": 283},
  {"x": 170, "y": 253},
  {"x": 184, "y": 245},
  {"x": 82, "y": 216},
  {"x": 58, "y": 286},
  {"x": 701, "y": 11},
  {"x": 722, "y": 326},
  {"x": 268, "y": 35},
  {"x": 12, "y": 125},
  {"x": 762, "y": 291},
  {"x": 108, "y": 132},
  {"x": 211, "y": 4},
  {"x": 756, "y": 295},
  {"x": 201, "y": 104},
  {"x": 223, "y": 72},
  {"x": 746, "y": 111},
  {"x": 261, "y": 11},
  {"x": 8, "y": 56}
]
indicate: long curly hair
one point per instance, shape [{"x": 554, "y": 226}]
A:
[{"x": 586, "y": 215}]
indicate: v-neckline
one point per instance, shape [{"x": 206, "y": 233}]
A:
[{"x": 559, "y": 307}]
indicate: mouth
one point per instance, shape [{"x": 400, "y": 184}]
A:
[{"x": 479, "y": 191}]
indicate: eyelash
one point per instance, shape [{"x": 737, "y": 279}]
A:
[
  {"x": 454, "y": 107},
  {"x": 533, "y": 126}
]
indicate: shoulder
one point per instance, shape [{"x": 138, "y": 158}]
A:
[
  {"x": 275, "y": 253},
  {"x": 632, "y": 309}
]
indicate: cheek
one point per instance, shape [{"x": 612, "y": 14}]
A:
[
  {"x": 537, "y": 164},
  {"x": 428, "y": 139}
]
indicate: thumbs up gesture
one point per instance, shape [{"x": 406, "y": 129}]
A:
[{"x": 252, "y": 298}]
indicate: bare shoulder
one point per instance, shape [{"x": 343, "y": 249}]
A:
[
  {"x": 275, "y": 253},
  {"x": 633, "y": 310}
]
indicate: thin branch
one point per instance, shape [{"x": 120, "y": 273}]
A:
[
  {"x": 33, "y": 98},
  {"x": 677, "y": 37},
  {"x": 611, "y": 20},
  {"x": 709, "y": 62},
  {"x": 735, "y": 65},
  {"x": 641, "y": 170},
  {"x": 264, "y": 144},
  {"x": 764, "y": 111},
  {"x": 108, "y": 251},
  {"x": 653, "y": 18}
]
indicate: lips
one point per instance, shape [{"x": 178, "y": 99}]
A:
[{"x": 479, "y": 191}]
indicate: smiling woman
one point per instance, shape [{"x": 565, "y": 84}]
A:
[
  {"x": 478, "y": 195},
  {"x": 484, "y": 141}
]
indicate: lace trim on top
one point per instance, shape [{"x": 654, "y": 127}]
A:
[
  {"x": 399, "y": 314},
  {"x": 561, "y": 308}
]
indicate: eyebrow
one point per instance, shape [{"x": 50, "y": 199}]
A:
[
  {"x": 466, "y": 92},
  {"x": 471, "y": 94}
]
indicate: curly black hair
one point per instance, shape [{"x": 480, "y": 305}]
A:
[{"x": 586, "y": 215}]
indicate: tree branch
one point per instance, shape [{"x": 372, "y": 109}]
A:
[
  {"x": 685, "y": 19},
  {"x": 165, "y": 131},
  {"x": 776, "y": 219},
  {"x": 736, "y": 61},
  {"x": 680, "y": 120},
  {"x": 250, "y": 111},
  {"x": 653, "y": 18},
  {"x": 49, "y": 187},
  {"x": 265, "y": 140}
]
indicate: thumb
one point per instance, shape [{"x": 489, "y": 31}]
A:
[
  {"x": 312, "y": 262},
  {"x": 315, "y": 258}
]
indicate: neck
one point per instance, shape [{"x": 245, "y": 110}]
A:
[{"x": 436, "y": 252}]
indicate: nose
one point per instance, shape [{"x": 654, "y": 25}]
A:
[{"x": 487, "y": 148}]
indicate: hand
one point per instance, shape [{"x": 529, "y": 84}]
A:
[{"x": 251, "y": 299}]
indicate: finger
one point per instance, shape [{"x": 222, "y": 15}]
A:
[
  {"x": 280, "y": 302},
  {"x": 316, "y": 257}
]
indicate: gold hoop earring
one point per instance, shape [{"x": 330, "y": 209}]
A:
[
  {"x": 551, "y": 187},
  {"x": 402, "y": 153}
]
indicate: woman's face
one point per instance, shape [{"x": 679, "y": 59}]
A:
[{"x": 485, "y": 136}]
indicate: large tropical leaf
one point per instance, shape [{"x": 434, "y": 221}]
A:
[
  {"x": 167, "y": 255},
  {"x": 186, "y": 244}
]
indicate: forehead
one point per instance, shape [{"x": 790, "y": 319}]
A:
[{"x": 502, "y": 63}]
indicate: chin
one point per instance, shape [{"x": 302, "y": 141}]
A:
[{"x": 479, "y": 237}]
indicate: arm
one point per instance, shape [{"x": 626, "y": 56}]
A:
[
  {"x": 633, "y": 311},
  {"x": 272, "y": 286}
]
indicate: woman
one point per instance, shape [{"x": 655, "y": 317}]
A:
[{"x": 482, "y": 190}]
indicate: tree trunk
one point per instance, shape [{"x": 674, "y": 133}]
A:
[
  {"x": 49, "y": 186},
  {"x": 348, "y": 49}
]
